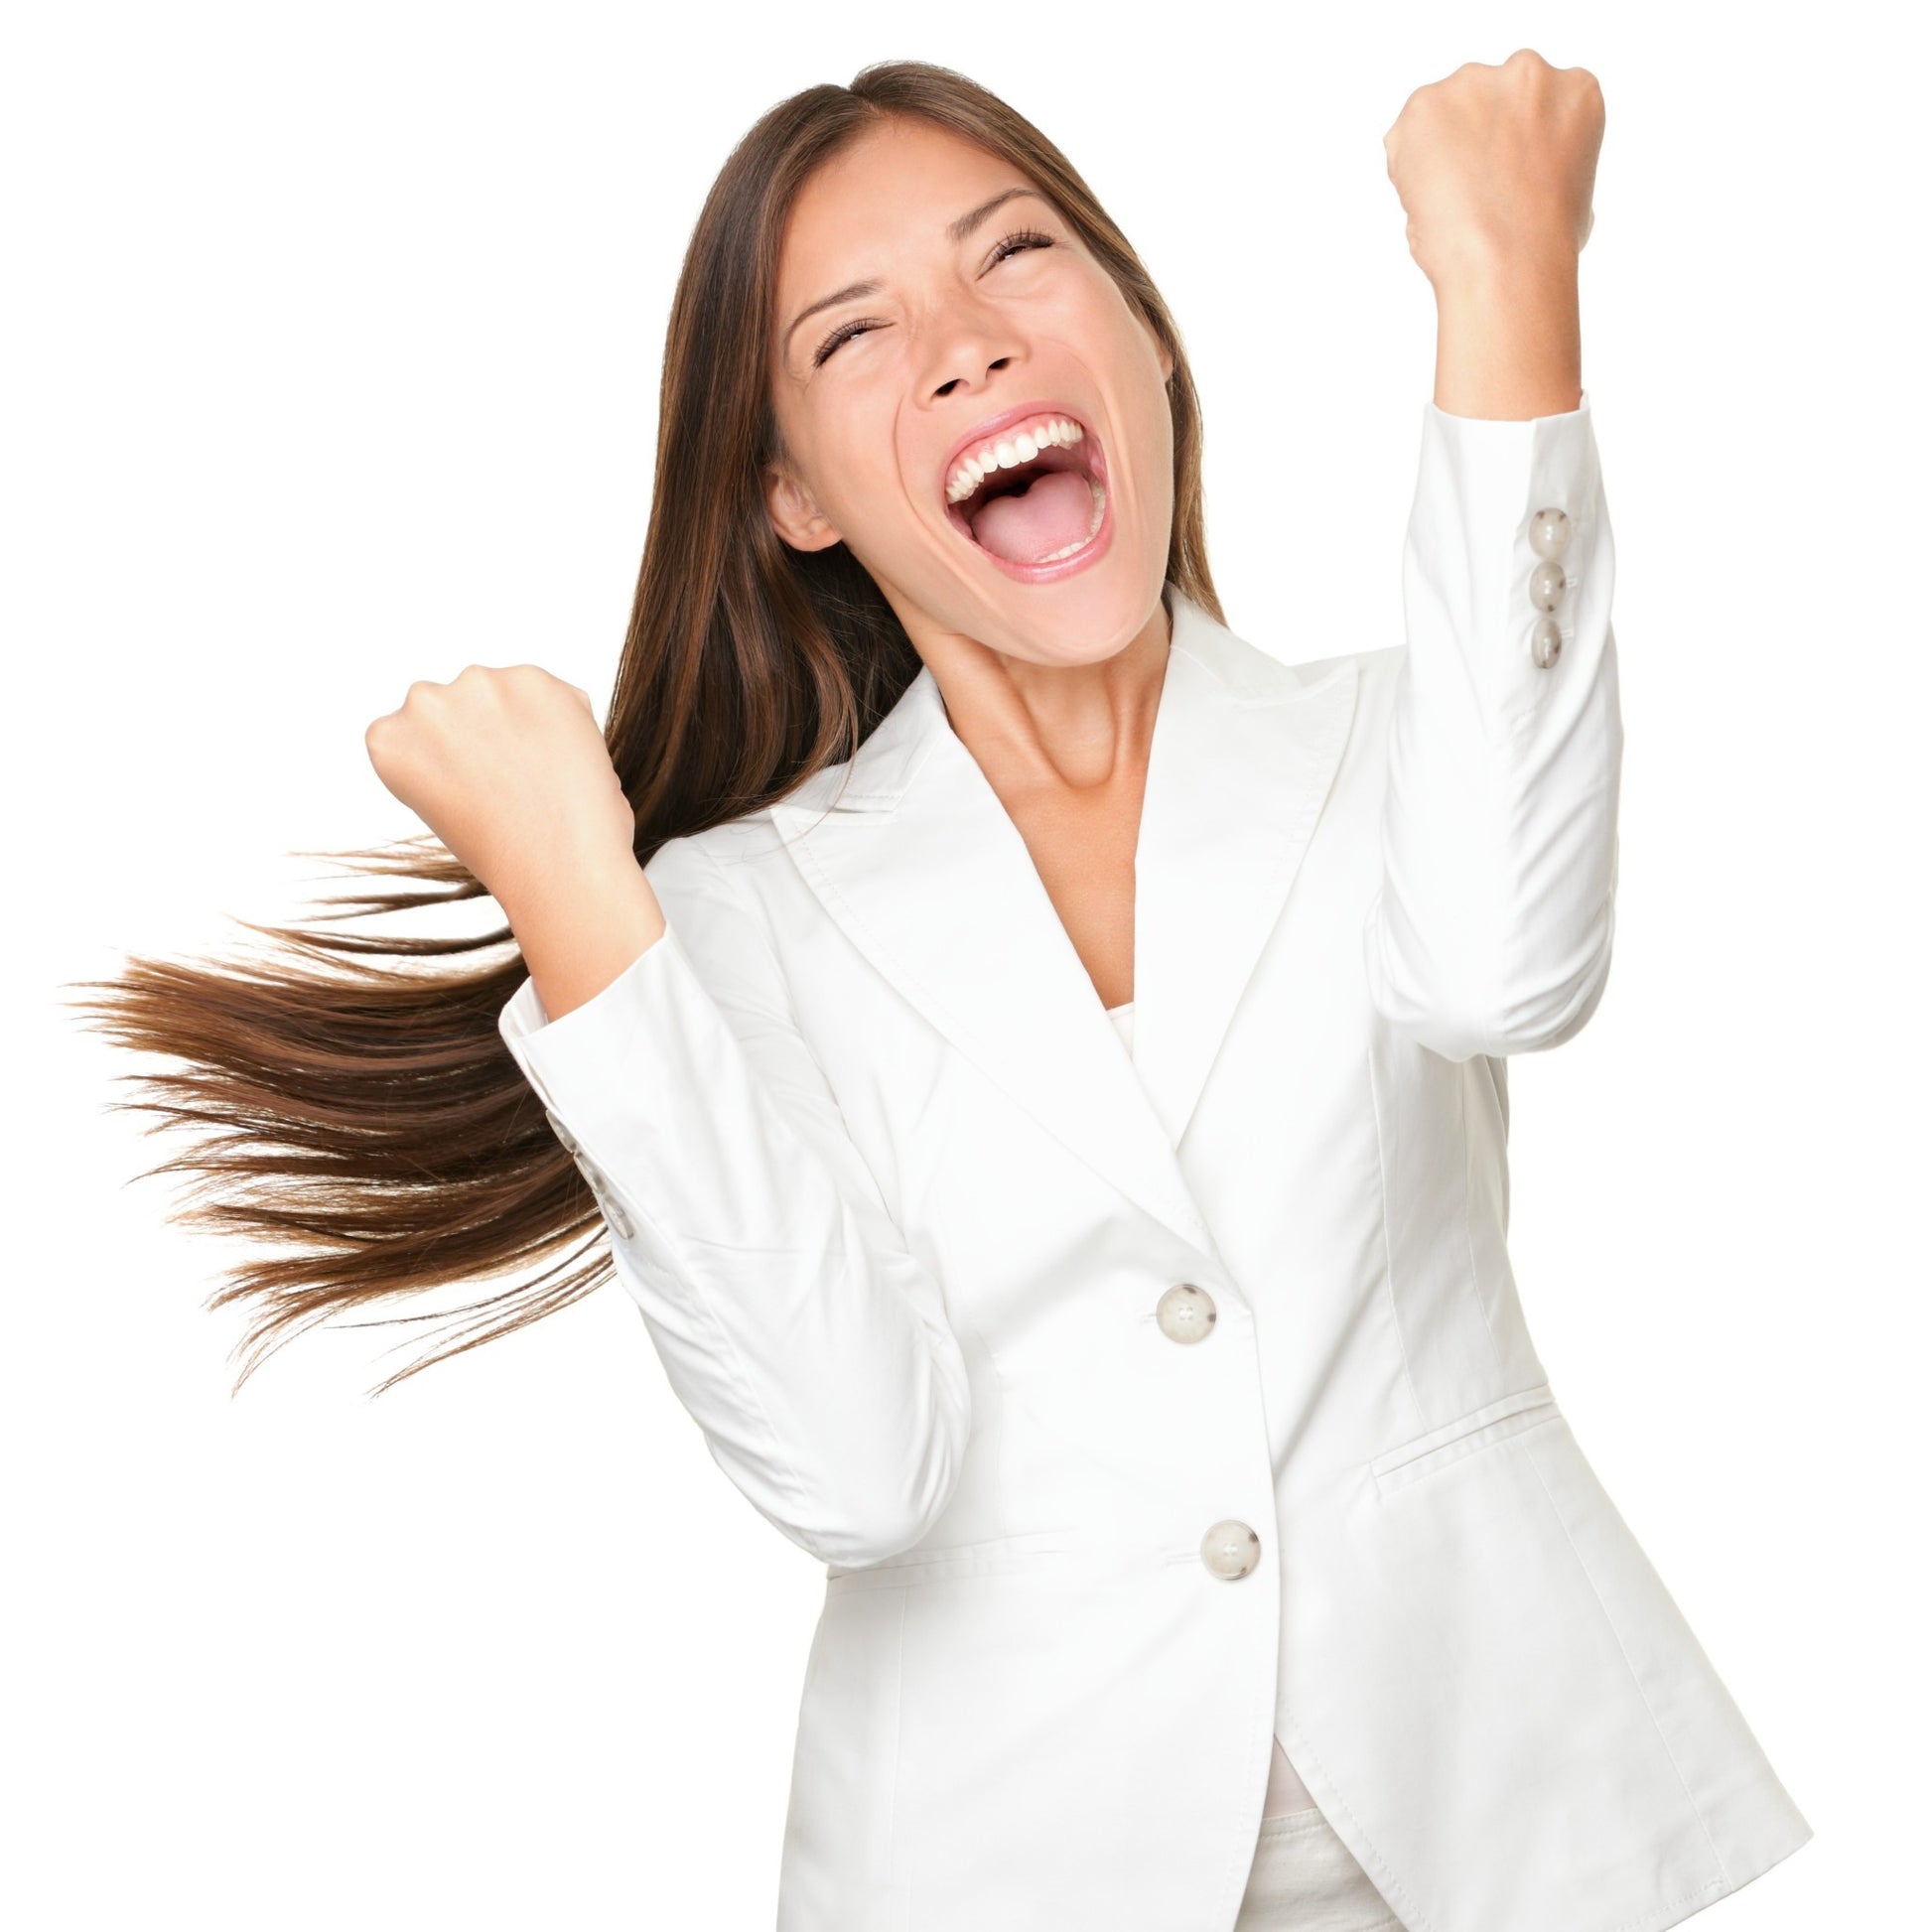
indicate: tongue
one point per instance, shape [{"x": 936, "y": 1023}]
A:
[{"x": 1054, "y": 510}]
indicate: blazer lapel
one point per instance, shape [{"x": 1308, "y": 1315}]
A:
[
  {"x": 911, "y": 853},
  {"x": 1245, "y": 749}
]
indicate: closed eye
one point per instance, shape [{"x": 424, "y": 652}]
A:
[
  {"x": 1015, "y": 243},
  {"x": 843, "y": 333},
  {"x": 1019, "y": 239}
]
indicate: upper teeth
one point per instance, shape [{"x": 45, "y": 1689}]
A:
[{"x": 1008, "y": 452}]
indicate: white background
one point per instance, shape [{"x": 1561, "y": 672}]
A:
[{"x": 332, "y": 343}]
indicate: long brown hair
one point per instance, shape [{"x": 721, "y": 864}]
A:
[{"x": 358, "y": 1114}]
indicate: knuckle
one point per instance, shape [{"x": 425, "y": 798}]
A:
[{"x": 385, "y": 742}]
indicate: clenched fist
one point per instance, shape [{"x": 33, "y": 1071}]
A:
[
  {"x": 1495, "y": 168},
  {"x": 509, "y": 769}
]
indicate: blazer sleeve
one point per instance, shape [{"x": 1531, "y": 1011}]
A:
[
  {"x": 808, "y": 1344},
  {"x": 1490, "y": 931}
]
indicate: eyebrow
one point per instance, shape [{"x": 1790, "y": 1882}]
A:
[{"x": 957, "y": 230}]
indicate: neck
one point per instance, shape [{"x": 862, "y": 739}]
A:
[{"x": 1035, "y": 728}]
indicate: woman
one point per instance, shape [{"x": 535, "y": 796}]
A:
[{"x": 1206, "y": 1547}]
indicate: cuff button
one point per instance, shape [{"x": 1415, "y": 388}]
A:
[
  {"x": 1546, "y": 640},
  {"x": 1547, "y": 585},
  {"x": 1550, "y": 534},
  {"x": 601, "y": 1191}
]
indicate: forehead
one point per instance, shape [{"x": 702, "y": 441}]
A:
[{"x": 891, "y": 192}]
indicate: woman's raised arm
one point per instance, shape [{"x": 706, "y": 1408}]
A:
[
  {"x": 1492, "y": 933},
  {"x": 808, "y": 1344}
]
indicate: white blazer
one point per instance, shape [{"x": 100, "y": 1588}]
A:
[{"x": 1139, "y": 1411}]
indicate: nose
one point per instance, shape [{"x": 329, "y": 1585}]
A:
[
  {"x": 969, "y": 344},
  {"x": 953, "y": 384}
]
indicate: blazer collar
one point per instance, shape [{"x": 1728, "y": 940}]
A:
[{"x": 911, "y": 853}]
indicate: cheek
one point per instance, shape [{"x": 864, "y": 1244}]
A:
[
  {"x": 852, "y": 484},
  {"x": 887, "y": 493},
  {"x": 869, "y": 497}
]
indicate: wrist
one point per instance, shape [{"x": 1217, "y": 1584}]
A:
[
  {"x": 1478, "y": 270},
  {"x": 558, "y": 880},
  {"x": 579, "y": 930},
  {"x": 1509, "y": 337}
]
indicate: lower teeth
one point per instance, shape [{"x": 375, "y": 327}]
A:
[{"x": 1099, "y": 510}]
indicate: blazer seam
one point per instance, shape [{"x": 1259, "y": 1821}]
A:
[
  {"x": 1388, "y": 1246},
  {"x": 898, "y": 1741},
  {"x": 1462, "y": 1078}
]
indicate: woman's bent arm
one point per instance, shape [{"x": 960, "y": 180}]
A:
[{"x": 809, "y": 1344}]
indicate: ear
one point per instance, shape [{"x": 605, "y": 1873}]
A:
[
  {"x": 1167, "y": 363},
  {"x": 796, "y": 517}
]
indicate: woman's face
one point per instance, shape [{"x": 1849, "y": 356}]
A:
[{"x": 981, "y": 322}]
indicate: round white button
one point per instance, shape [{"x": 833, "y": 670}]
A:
[
  {"x": 1230, "y": 1549},
  {"x": 1185, "y": 1313},
  {"x": 1547, "y": 585},
  {"x": 1545, "y": 641},
  {"x": 1550, "y": 534}
]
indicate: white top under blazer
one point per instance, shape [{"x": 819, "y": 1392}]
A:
[{"x": 1147, "y": 1418}]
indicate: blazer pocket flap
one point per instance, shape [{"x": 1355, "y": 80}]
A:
[{"x": 1466, "y": 1434}]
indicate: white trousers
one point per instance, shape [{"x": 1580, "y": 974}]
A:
[{"x": 1306, "y": 1879}]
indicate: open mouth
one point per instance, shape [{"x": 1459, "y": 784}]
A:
[{"x": 1033, "y": 495}]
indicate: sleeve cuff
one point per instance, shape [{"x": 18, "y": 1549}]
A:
[
  {"x": 1470, "y": 563},
  {"x": 567, "y": 1056},
  {"x": 1511, "y": 421}
]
